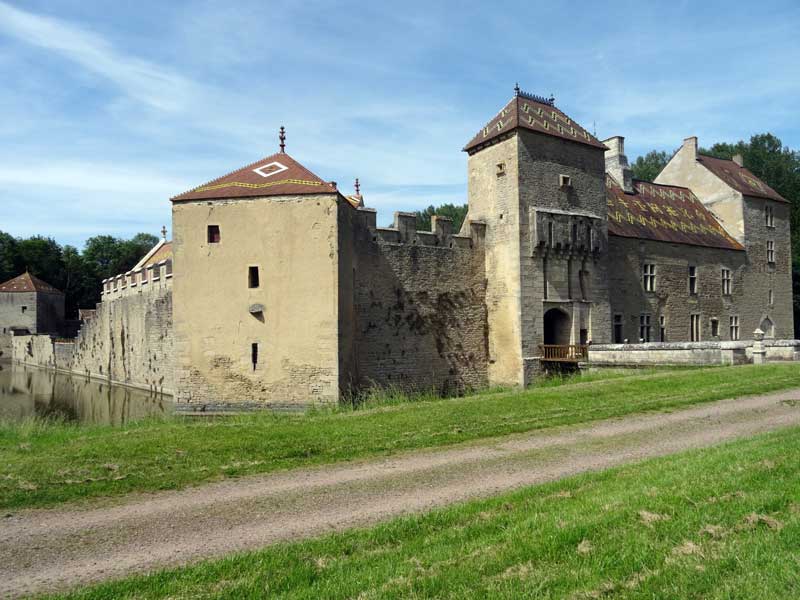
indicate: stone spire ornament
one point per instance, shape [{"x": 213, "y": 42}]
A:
[
  {"x": 282, "y": 138},
  {"x": 164, "y": 233}
]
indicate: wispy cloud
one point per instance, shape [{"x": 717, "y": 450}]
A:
[{"x": 140, "y": 79}]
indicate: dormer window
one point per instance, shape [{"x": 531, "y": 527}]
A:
[{"x": 564, "y": 181}]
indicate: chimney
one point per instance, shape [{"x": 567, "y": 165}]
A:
[
  {"x": 617, "y": 163},
  {"x": 738, "y": 159},
  {"x": 690, "y": 145}
]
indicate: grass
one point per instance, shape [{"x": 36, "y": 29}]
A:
[
  {"x": 46, "y": 464},
  {"x": 721, "y": 523}
]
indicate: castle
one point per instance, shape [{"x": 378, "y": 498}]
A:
[{"x": 284, "y": 290}]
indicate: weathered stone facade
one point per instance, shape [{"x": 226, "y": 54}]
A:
[{"x": 286, "y": 292}]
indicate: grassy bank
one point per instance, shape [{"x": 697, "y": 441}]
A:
[
  {"x": 43, "y": 464},
  {"x": 712, "y": 524}
]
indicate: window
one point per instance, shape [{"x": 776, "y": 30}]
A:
[
  {"x": 734, "y": 328},
  {"x": 213, "y": 234},
  {"x": 649, "y": 277},
  {"x": 501, "y": 169},
  {"x": 714, "y": 328},
  {"x": 770, "y": 251},
  {"x": 769, "y": 216},
  {"x": 662, "y": 326},
  {"x": 574, "y": 234},
  {"x": 694, "y": 328},
  {"x": 644, "y": 327},
  {"x": 252, "y": 277},
  {"x": 550, "y": 234},
  {"x": 24, "y": 308},
  {"x": 564, "y": 181},
  {"x": 726, "y": 282},
  {"x": 771, "y": 298},
  {"x": 254, "y": 355},
  {"x": 590, "y": 237},
  {"x": 617, "y": 329},
  {"x": 692, "y": 280},
  {"x": 544, "y": 277}
]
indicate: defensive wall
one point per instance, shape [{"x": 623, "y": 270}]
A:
[
  {"x": 418, "y": 308},
  {"x": 128, "y": 341}
]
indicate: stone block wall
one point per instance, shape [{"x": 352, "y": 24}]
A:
[
  {"x": 671, "y": 297},
  {"x": 419, "y": 306},
  {"x": 129, "y": 341}
]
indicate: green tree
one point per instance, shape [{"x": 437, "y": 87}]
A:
[
  {"x": 42, "y": 257},
  {"x": 456, "y": 212},
  {"x": 647, "y": 167},
  {"x": 8, "y": 257}
]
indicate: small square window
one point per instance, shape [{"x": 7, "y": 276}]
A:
[
  {"x": 501, "y": 169},
  {"x": 24, "y": 308},
  {"x": 564, "y": 181},
  {"x": 213, "y": 234},
  {"x": 252, "y": 277}
]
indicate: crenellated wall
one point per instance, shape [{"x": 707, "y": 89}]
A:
[
  {"x": 418, "y": 317},
  {"x": 128, "y": 341}
]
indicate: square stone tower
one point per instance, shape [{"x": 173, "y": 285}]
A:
[{"x": 537, "y": 179}]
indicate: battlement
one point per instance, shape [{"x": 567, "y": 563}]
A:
[
  {"x": 137, "y": 280},
  {"x": 404, "y": 231}
]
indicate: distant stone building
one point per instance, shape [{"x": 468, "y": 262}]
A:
[
  {"x": 285, "y": 290},
  {"x": 29, "y": 305}
]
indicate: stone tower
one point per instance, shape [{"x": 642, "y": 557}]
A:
[{"x": 537, "y": 179}]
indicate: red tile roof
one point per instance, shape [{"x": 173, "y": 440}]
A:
[
  {"x": 28, "y": 283},
  {"x": 665, "y": 213},
  {"x": 275, "y": 175},
  {"x": 163, "y": 253},
  {"x": 739, "y": 178},
  {"x": 535, "y": 114}
]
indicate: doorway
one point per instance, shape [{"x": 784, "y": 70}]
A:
[{"x": 557, "y": 327}]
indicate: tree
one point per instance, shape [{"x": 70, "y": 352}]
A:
[
  {"x": 456, "y": 212},
  {"x": 42, "y": 257},
  {"x": 8, "y": 257},
  {"x": 648, "y": 167}
]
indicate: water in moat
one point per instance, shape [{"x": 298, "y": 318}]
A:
[{"x": 27, "y": 392}]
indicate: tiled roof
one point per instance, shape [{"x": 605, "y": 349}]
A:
[
  {"x": 535, "y": 114},
  {"x": 665, "y": 213},
  {"x": 28, "y": 283},
  {"x": 275, "y": 175},
  {"x": 163, "y": 253},
  {"x": 739, "y": 178}
]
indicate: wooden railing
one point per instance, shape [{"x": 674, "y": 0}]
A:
[{"x": 564, "y": 353}]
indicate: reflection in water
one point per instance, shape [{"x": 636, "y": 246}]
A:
[{"x": 30, "y": 391}]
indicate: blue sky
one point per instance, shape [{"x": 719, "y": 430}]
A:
[{"x": 110, "y": 108}]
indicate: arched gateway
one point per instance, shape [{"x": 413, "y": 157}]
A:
[{"x": 557, "y": 327}]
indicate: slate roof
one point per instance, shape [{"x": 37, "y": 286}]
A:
[
  {"x": 535, "y": 114},
  {"x": 739, "y": 178},
  {"x": 665, "y": 213},
  {"x": 28, "y": 283},
  {"x": 275, "y": 175}
]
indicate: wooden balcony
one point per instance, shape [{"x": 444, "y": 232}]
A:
[{"x": 564, "y": 353}]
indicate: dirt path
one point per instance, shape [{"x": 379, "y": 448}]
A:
[{"x": 45, "y": 550}]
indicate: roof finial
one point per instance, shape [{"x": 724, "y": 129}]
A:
[
  {"x": 358, "y": 187},
  {"x": 282, "y": 137},
  {"x": 516, "y": 89},
  {"x": 164, "y": 233},
  {"x": 552, "y": 99}
]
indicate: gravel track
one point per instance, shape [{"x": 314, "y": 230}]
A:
[{"x": 54, "y": 549}]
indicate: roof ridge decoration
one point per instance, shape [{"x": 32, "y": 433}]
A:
[{"x": 534, "y": 113}]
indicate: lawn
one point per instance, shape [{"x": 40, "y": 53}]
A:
[
  {"x": 720, "y": 523},
  {"x": 44, "y": 464}
]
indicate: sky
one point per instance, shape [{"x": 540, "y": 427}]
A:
[{"x": 110, "y": 108}]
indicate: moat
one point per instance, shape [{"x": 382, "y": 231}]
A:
[{"x": 27, "y": 392}]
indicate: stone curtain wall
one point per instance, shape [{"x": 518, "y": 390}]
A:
[
  {"x": 129, "y": 341},
  {"x": 690, "y": 353},
  {"x": 419, "y": 306}
]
